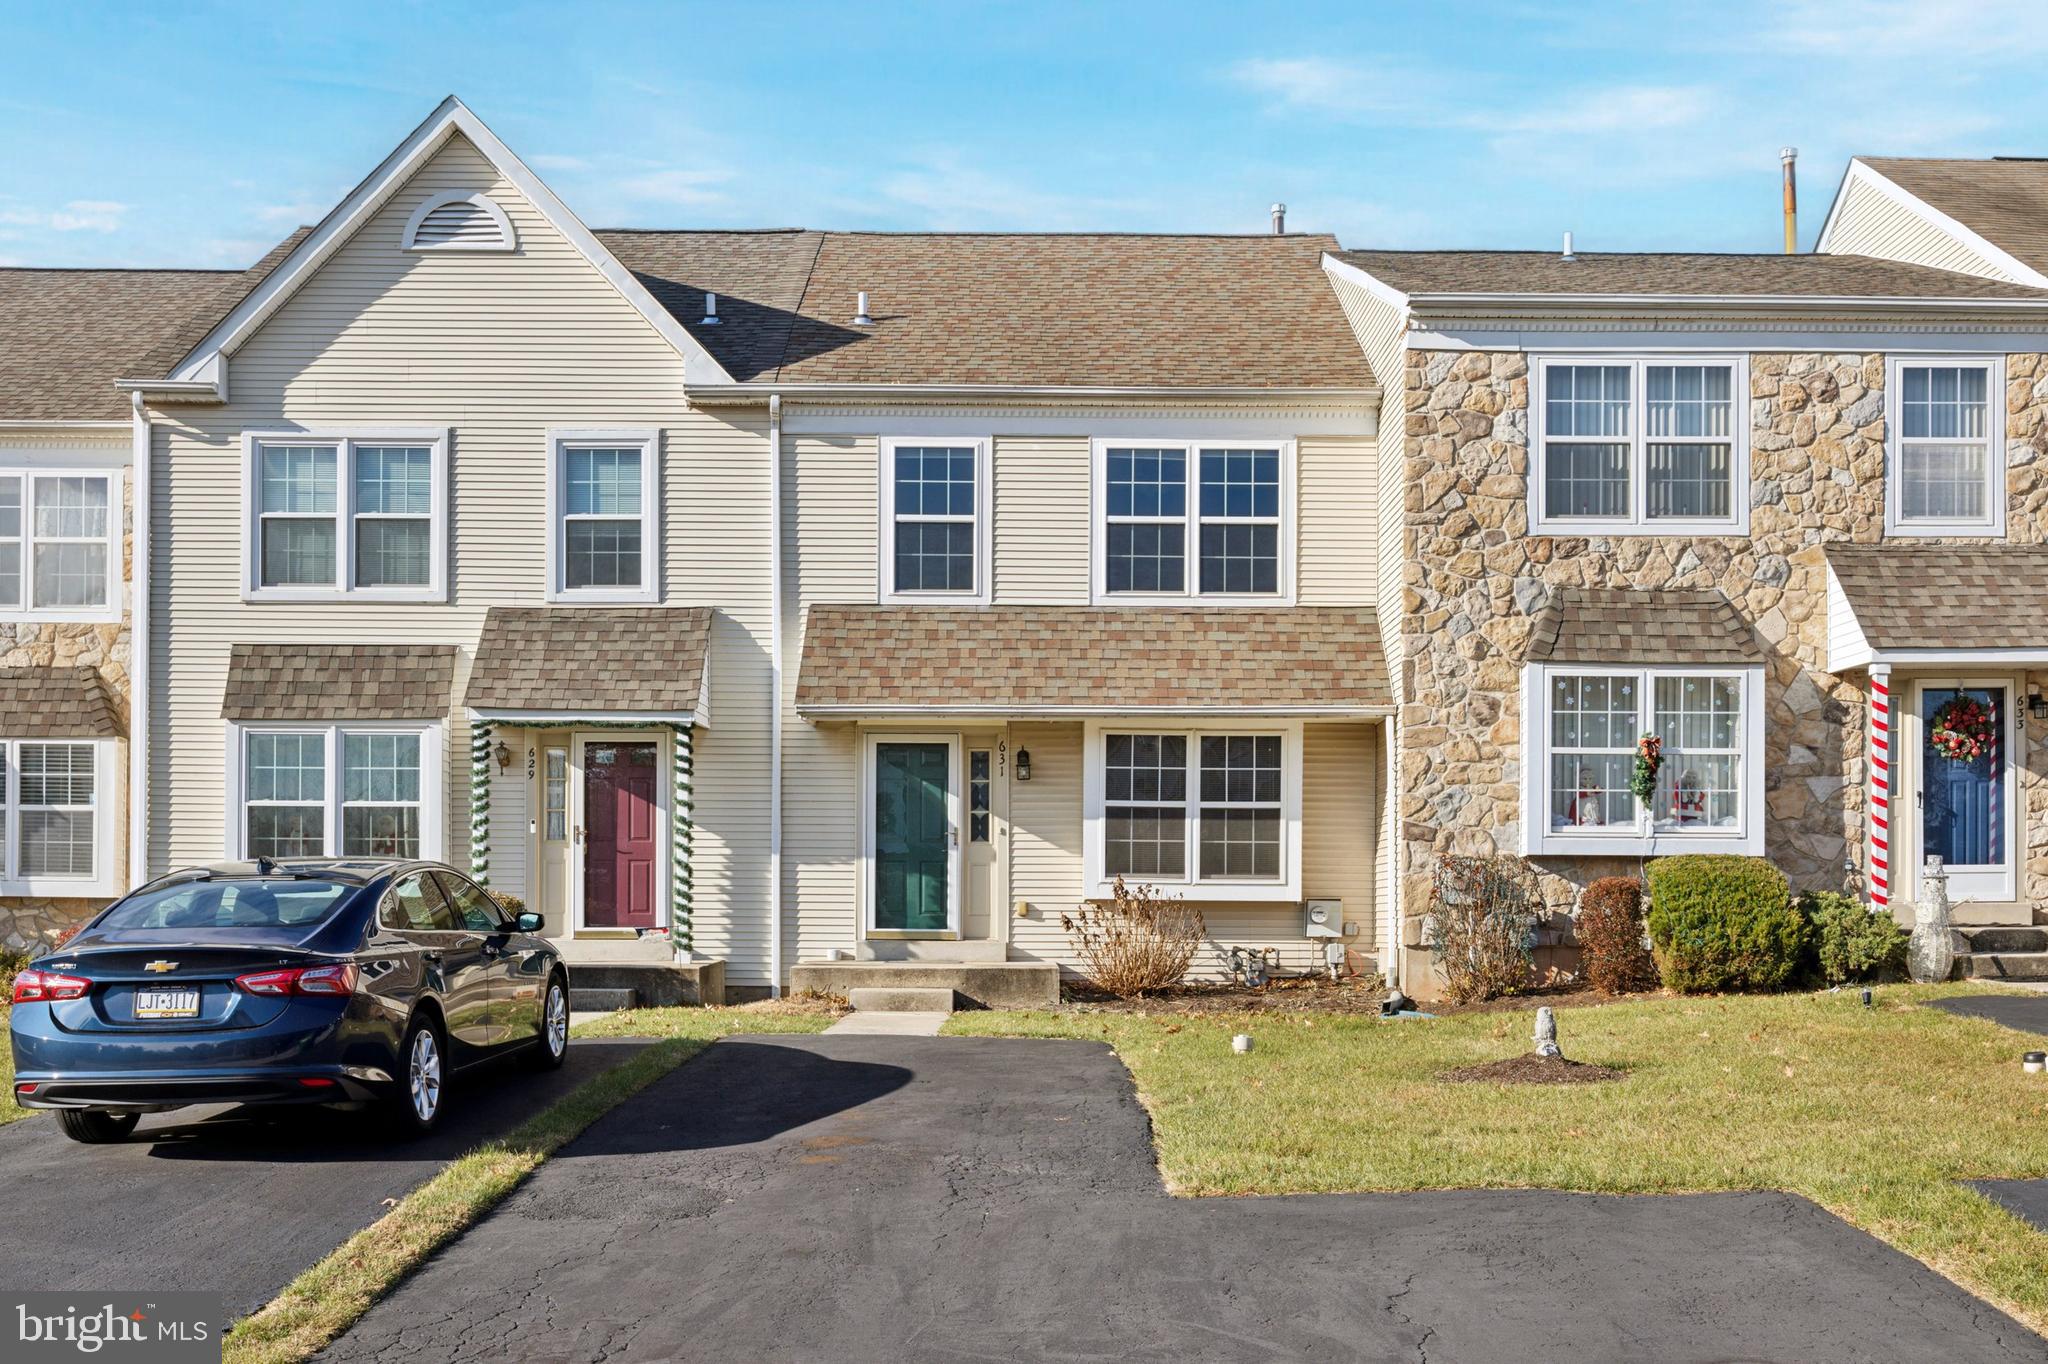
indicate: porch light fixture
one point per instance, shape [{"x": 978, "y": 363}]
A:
[
  {"x": 2037, "y": 706},
  {"x": 503, "y": 755},
  {"x": 1023, "y": 764}
]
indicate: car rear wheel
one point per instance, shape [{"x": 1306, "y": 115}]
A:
[
  {"x": 423, "y": 1078},
  {"x": 95, "y": 1128},
  {"x": 554, "y": 1026}
]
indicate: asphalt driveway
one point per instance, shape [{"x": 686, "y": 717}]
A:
[
  {"x": 237, "y": 1201},
  {"x": 869, "y": 1198}
]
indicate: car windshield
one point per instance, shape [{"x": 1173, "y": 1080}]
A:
[{"x": 229, "y": 904}]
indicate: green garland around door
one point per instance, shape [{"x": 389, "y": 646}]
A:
[
  {"x": 480, "y": 802},
  {"x": 682, "y": 814}
]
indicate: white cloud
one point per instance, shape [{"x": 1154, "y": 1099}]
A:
[
  {"x": 1907, "y": 30},
  {"x": 1343, "y": 89},
  {"x": 1620, "y": 109},
  {"x": 557, "y": 163},
  {"x": 79, "y": 215},
  {"x": 689, "y": 188},
  {"x": 295, "y": 212},
  {"x": 953, "y": 196}
]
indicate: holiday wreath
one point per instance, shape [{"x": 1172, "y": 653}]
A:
[
  {"x": 1963, "y": 730},
  {"x": 1649, "y": 757}
]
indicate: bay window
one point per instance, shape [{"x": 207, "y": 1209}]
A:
[
  {"x": 56, "y": 817},
  {"x": 1193, "y": 521},
  {"x": 354, "y": 790},
  {"x": 603, "y": 505},
  {"x": 1947, "y": 456},
  {"x": 1640, "y": 446},
  {"x": 60, "y": 544},
  {"x": 1582, "y": 726},
  {"x": 358, "y": 516},
  {"x": 1209, "y": 813}
]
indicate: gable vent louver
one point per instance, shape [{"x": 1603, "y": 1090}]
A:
[{"x": 459, "y": 222}]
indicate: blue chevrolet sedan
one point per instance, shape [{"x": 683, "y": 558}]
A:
[{"x": 298, "y": 981}]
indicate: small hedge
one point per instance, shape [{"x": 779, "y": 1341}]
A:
[
  {"x": 1610, "y": 933},
  {"x": 1850, "y": 943},
  {"x": 1721, "y": 922}
]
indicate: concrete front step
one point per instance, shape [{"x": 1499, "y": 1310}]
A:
[
  {"x": 656, "y": 986},
  {"x": 2002, "y": 966},
  {"x": 2003, "y": 941},
  {"x": 583, "y": 1000},
  {"x": 986, "y": 985},
  {"x": 900, "y": 999}
]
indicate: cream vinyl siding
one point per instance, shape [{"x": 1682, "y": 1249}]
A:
[
  {"x": 1871, "y": 222},
  {"x": 499, "y": 347},
  {"x": 1339, "y": 815},
  {"x": 1041, "y": 530},
  {"x": 1338, "y": 515},
  {"x": 1381, "y": 331},
  {"x": 830, "y": 540}
]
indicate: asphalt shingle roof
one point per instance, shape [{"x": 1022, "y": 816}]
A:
[
  {"x": 1945, "y": 596},
  {"x": 326, "y": 682},
  {"x": 646, "y": 660},
  {"x": 1673, "y": 274},
  {"x": 1090, "y": 658},
  {"x": 1642, "y": 625},
  {"x": 2004, "y": 202},
  {"x": 56, "y": 703}
]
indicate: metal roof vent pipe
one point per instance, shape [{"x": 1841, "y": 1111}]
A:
[
  {"x": 860, "y": 310},
  {"x": 1279, "y": 220},
  {"x": 1568, "y": 247},
  {"x": 710, "y": 318}
]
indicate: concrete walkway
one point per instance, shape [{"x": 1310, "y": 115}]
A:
[
  {"x": 872, "y": 1023},
  {"x": 965, "y": 1198}
]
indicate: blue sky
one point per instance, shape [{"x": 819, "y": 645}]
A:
[{"x": 198, "y": 134}]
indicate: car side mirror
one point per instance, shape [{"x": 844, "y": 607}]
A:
[{"x": 530, "y": 922}]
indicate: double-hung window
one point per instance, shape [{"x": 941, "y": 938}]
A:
[
  {"x": 1947, "y": 456},
  {"x": 603, "y": 505},
  {"x": 1187, "y": 521},
  {"x": 354, "y": 790},
  {"x": 935, "y": 499},
  {"x": 1214, "y": 811},
  {"x": 56, "y": 813},
  {"x": 1640, "y": 446},
  {"x": 60, "y": 544},
  {"x": 347, "y": 516},
  {"x": 1583, "y": 725}
]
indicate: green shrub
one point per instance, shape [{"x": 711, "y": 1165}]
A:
[
  {"x": 1849, "y": 941},
  {"x": 1610, "y": 933},
  {"x": 11, "y": 963},
  {"x": 1721, "y": 922}
]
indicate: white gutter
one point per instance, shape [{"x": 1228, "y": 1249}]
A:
[
  {"x": 142, "y": 503},
  {"x": 713, "y": 394},
  {"x": 1542, "y": 304},
  {"x": 1393, "y": 958},
  {"x": 775, "y": 689},
  {"x": 857, "y": 711}
]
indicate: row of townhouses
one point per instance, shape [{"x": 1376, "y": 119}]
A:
[{"x": 770, "y": 607}]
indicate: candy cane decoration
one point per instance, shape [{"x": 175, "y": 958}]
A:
[
  {"x": 1993, "y": 833},
  {"x": 1880, "y": 788}
]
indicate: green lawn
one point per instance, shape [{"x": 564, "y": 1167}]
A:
[
  {"x": 1873, "y": 1113},
  {"x": 9, "y": 1110}
]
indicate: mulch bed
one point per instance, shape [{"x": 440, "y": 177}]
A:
[
  {"x": 1532, "y": 1069},
  {"x": 1287, "y": 994}
]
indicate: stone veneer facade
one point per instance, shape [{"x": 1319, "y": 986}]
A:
[
  {"x": 1474, "y": 578},
  {"x": 104, "y": 646}
]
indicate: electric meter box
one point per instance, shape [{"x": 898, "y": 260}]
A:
[{"x": 1322, "y": 918}]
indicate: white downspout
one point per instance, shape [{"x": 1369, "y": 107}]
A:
[
  {"x": 775, "y": 710},
  {"x": 1390, "y": 823},
  {"x": 142, "y": 508}
]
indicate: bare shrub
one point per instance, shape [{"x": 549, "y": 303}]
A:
[
  {"x": 1139, "y": 940},
  {"x": 1481, "y": 913},
  {"x": 1610, "y": 932}
]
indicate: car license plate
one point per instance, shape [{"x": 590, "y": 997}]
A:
[{"x": 167, "y": 1004}]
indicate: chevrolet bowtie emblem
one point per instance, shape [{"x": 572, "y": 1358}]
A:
[{"x": 161, "y": 966}]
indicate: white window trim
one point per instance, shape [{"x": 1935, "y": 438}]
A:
[
  {"x": 649, "y": 440},
  {"x": 1285, "y": 890},
  {"x": 433, "y": 779},
  {"x": 107, "y": 801},
  {"x": 342, "y": 589},
  {"x": 28, "y": 472},
  {"x": 1098, "y": 522},
  {"x": 1895, "y": 522},
  {"x": 508, "y": 240},
  {"x": 984, "y": 539},
  {"x": 1639, "y": 521},
  {"x": 1641, "y": 838}
]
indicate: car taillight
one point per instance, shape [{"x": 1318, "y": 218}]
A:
[
  {"x": 301, "y": 980},
  {"x": 30, "y": 986}
]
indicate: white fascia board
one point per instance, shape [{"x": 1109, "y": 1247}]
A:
[
  {"x": 865, "y": 712},
  {"x": 493, "y": 716},
  {"x": 1337, "y": 268},
  {"x": 760, "y": 393},
  {"x": 1847, "y": 649},
  {"x": 1861, "y": 172},
  {"x": 1960, "y": 658},
  {"x": 451, "y": 116},
  {"x": 1442, "y": 307}
]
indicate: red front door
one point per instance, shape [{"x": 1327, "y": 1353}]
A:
[{"x": 622, "y": 803}]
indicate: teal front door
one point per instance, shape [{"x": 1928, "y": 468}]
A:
[{"x": 913, "y": 817}]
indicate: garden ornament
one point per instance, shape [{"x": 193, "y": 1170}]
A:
[
  {"x": 1546, "y": 1032},
  {"x": 1932, "y": 951}
]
